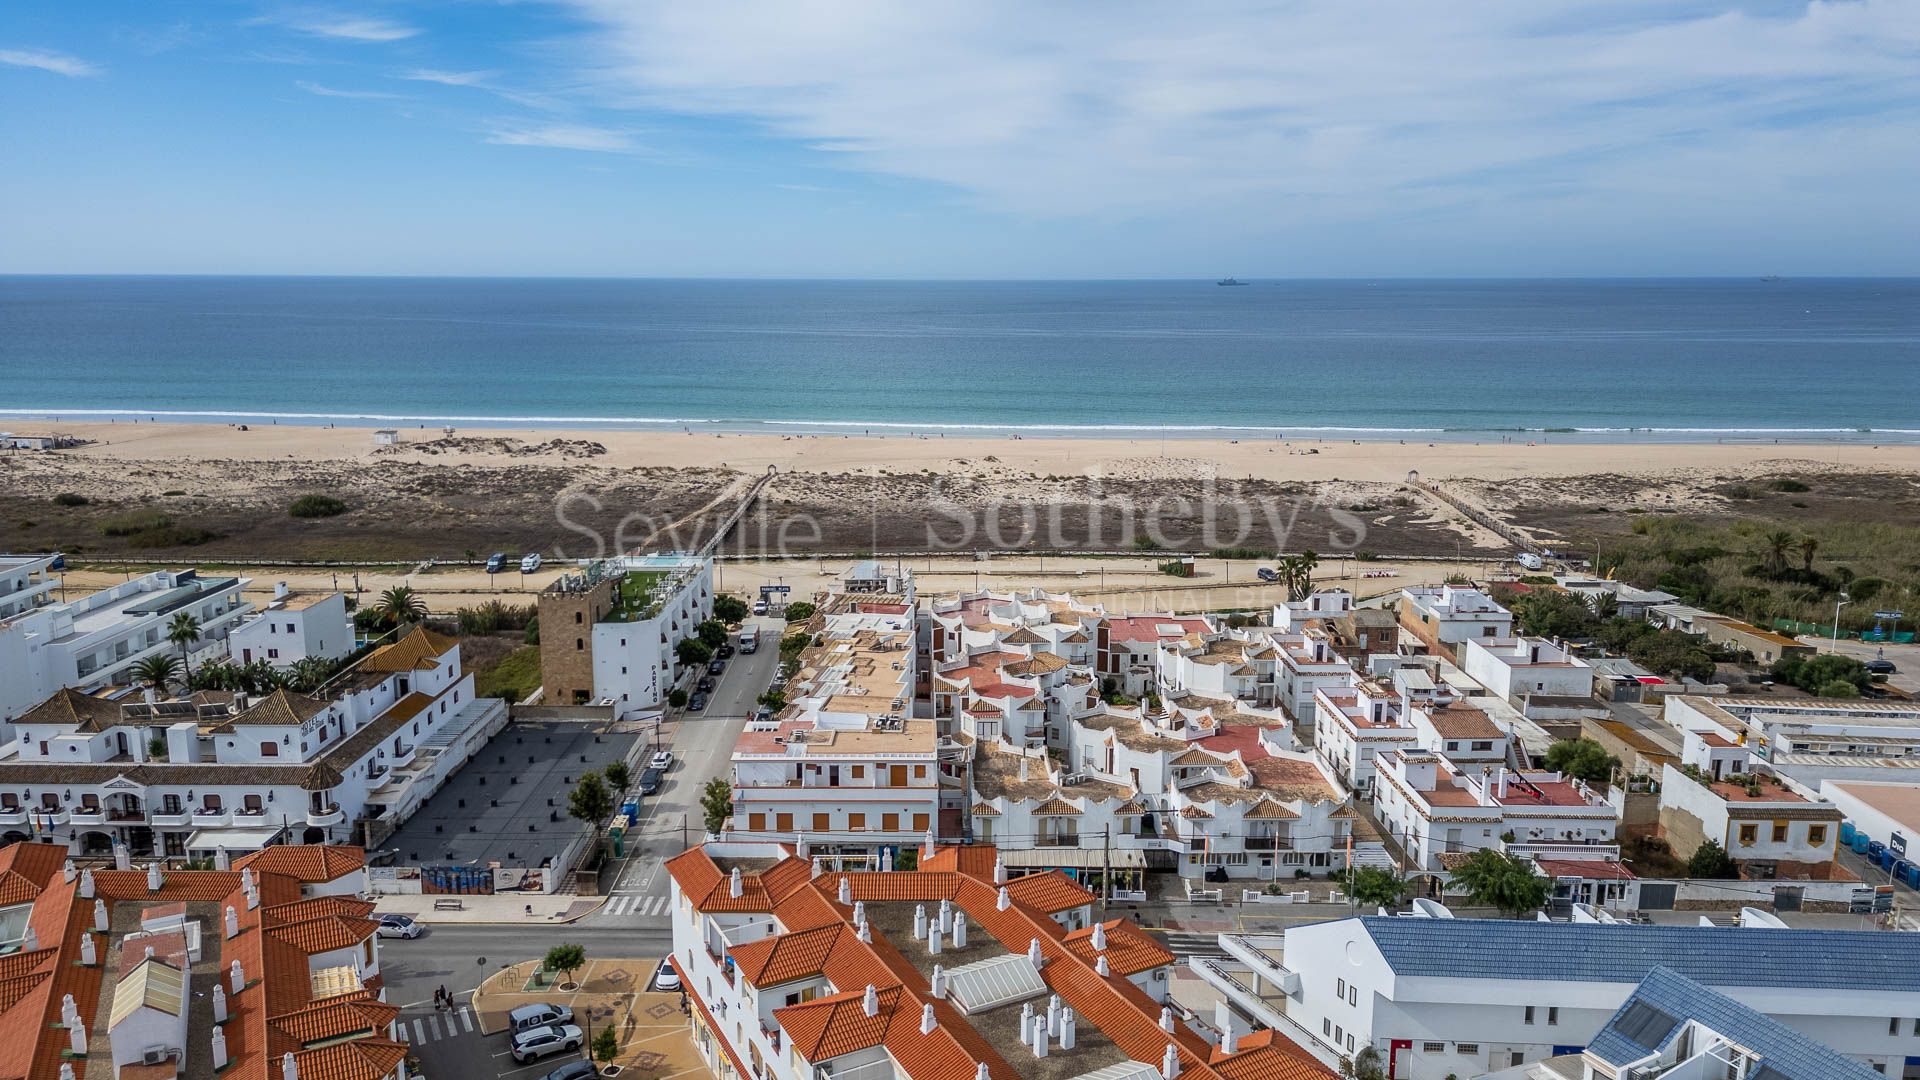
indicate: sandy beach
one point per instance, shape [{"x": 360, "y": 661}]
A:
[{"x": 224, "y": 491}]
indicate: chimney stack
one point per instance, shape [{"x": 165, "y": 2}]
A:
[
  {"x": 77, "y": 1037},
  {"x": 919, "y": 922},
  {"x": 1101, "y": 967},
  {"x": 939, "y": 981},
  {"x": 289, "y": 1070},
  {"x": 1053, "y": 1015},
  {"x": 959, "y": 929},
  {"x": 735, "y": 884},
  {"x": 1039, "y": 1037},
  {"x": 1068, "y": 1023},
  {"x": 88, "y": 955},
  {"x": 1100, "y": 937},
  {"x": 1166, "y": 1019},
  {"x": 870, "y": 1004},
  {"x": 999, "y": 871},
  {"x": 1034, "y": 954},
  {"x": 219, "y": 1004},
  {"x": 1005, "y": 901},
  {"x": 846, "y": 891},
  {"x": 237, "y": 977},
  {"x": 100, "y": 915},
  {"x": 86, "y": 884},
  {"x": 233, "y": 922},
  {"x": 219, "y": 1040},
  {"x": 1170, "y": 1063},
  {"x": 927, "y": 1022},
  {"x": 67, "y": 871}
]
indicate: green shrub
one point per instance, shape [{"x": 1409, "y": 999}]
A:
[
  {"x": 1788, "y": 483},
  {"x": 68, "y": 498},
  {"x": 153, "y": 529},
  {"x": 317, "y": 506}
]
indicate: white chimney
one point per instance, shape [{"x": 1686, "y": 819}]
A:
[
  {"x": 155, "y": 878},
  {"x": 1100, "y": 966},
  {"x": 846, "y": 891},
  {"x": 77, "y": 1037},
  {"x": 926, "y": 849},
  {"x": 735, "y": 886},
  {"x": 149, "y": 953},
  {"x": 1503, "y": 781},
  {"x": 935, "y": 940},
  {"x": 927, "y": 1022},
  {"x": 1226, "y": 1039},
  {"x": 219, "y": 1004},
  {"x": 1100, "y": 937},
  {"x": 100, "y": 915},
  {"x": 233, "y": 922},
  {"x": 246, "y": 879},
  {"x": 279, "y": 590},
  {"x": 66, "y": 1070},
  {"x": 817, "y": 869},
  {"x": 86, "y": 884},
  {"x": 859, "y": 911},
  {"x": 237, "y": 977},
  {"x": 1170, "y": 1063},
  {"x": 122, "y": 857},
  {"x": 959, "y": 929},
  {"x": 288, "y": 1069},
  {"x": 31, "y": 941},
  {"x": 1166, "y": 1019},
  {"x": 1068, "y": 1022},
  {"x": 219, "y": 1041},
  {"x": 870, "y": 1004},
  {"x": 801, "y": 849},
  {"x": 88, "y": 957},
  {"x": 919, "y": 922},
  {"x": 1053, "y": 1014},
  {"x": 67, "y": 871},
  {"x": 939, "y": 981},
  {"x": 1005, "y": 901},
  {"x": 946, "y": 915},
  {"x": 221, "y": 860},
  {"x": 68, "y": 1010},
  {"x": 1026, "y": 1019},
  {"x": 999, "y": 871},
  {"x": 1039, "y": 1037},
  {"x": 253, "y": 896},
  {"x": 980, "y": 1072},
  {"x": 1034, "y": 954}
]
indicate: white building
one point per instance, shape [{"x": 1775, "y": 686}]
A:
[
  {"x": 1355, "y": 724},
  {"x": 608, "y": 632},
  {"x": 1806, "y": 740},
  {"x": 93, "y": 642},
  {"x": 1461, "y": 997},
  {"x": 1445, "y": 617},
  {"x": 1767, "y": 826},
  {"x": 228, "y": 772},
  {"x": 292, "y": 627},
  {"x": 1434, "y": 808},
  {"x": 1523, "y": 667}
]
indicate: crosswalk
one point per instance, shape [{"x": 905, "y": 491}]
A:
[
  {"x": 436, "y": 1025},
  {"x": 639, "y": 906}
]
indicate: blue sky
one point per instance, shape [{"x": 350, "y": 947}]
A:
[{"x": 976, "y": 138}]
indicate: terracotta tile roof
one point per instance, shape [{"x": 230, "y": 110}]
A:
[
  {"x": 309, "y": 864},
  {"x": 16, "y": 889},
  {"x": 885, "y": 886},
  {"x": 1048, "y": 893},
  {"x": 69, "y": 707},
  {"x": 325, "y": 934},
  {"x": 1129, "y": 950},
  {"x": 334, "y": 1018},
  {"x": 1056, "y": 808},
  {"x": 1269, "y": 810},
  {"x": 710, "y": 890},
  {"x": 786, "y": 957},
  {"x": 831, "y": 1026},
  {"x": 193, "y": 885},
  {"x": 1269, "y": 1061},
  {"x": 357, "y": 1059},
  {"x": 984, "y": 809},
  {"x": 314, "y": 907},
  {"x": 35, "y": 862},
  {"x": 418, "y": 651},
  {"x": 282, "y": 708}
]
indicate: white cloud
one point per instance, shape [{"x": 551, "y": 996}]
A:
[
  {"x": 1301, "y": 110},
  {"x": 355, "y": 95},
  {"x": 365, "y": 28},
  {"x": 449, "y": 78},
  {"x": 46, "y": 60},
  {"x": 567, "y": 137}
]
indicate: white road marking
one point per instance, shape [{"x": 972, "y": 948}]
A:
[
  {"x": 466, "y": 1020},
  {"x": 419, "y": 1031},
  {"x": 434, "y": 1023}
]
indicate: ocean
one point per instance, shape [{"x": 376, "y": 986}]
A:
[{"x": 1636, "y": 359}]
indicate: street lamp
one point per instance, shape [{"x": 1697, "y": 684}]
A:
[{"x": 1837, "y": 605}]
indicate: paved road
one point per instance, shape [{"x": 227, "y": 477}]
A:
[
  {"x": 702, "y": 748},
  {"x": 1904, "y": 657},
  {"x": 449, "y": 1043}
]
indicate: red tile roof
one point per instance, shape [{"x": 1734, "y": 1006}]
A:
[
  {"x": 1049, "y": 893},
  {"x": 309, "y": 864},
  {"x": 1129, "y": 950}
]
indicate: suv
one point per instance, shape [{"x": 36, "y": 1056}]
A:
[
  {"x": 539, "y": 1014},
  {"x": 716, "y": 667},
  {"x": 724, "y": 652},
  {"x": 1881, "y": 666},
  {"x": 649, "y": 781},
  {"x": 705, "y": 684},
  {"x": 538, "y": 1042},
  {"x": 662, "y": 760}
]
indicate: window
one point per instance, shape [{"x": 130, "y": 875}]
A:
[
  {"x": 1483, "y": 746},
  {"x": 1553, "y": 1014},
  {"x": 1466, "y": 1048},
  {"x": 1353, "y": 995},
  {"x": 1452, "y": 746},
  {"x": 1340, "y": 988},
  {"x": 1893, "y": 1025},
  {"x": 1339, "y": 1033},
  {"x": 890, "y": 822},
  {"x": 273, "y": 654},
  {"x": 269, "y": 749},
  {"x": 1779, "y": 832},
  {"x": 1349, "y": 1044},
  {"x": 757, "y": 822},
  {"x": 859, "y": 771},
  {"x": 920, "y": 823},
  {"x": 1749, "y": 834},
  {"x": 1326, "y": 1026},
  {"x": 1529, "y": 1017},
  {"x": 1433, "y": 1048},
  {"x": 1817, "y": 836},
  {"x": 579, "y": 644},
  {"x": 856, "y": 821},
  {"x": 822, "y": 822}
]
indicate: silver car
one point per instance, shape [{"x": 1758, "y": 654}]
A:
[
  {"x": 540, "y": 1041},
  {"x": 539, "y": 1014}
]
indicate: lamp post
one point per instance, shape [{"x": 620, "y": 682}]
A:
[{"x": 1843, "y": 601}]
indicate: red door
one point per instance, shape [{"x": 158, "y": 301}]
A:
[{"x": 1399, "y": 1068}]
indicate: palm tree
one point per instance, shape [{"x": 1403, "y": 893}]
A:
[
  {"x": 1808, "y": 545},
  {"x": 401, "y": 604},
  {"x": 1777, "y": 543},
  {"x": 308, "y": 673},
  {"x": 156, "y": 671},
  {"x": 1296, "y": 572},
  {"x": 184, "y": 631}
]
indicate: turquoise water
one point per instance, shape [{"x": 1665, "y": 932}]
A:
[{"x": 1686, "y": 359}]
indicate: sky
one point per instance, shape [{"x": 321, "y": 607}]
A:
[{"x": 964, "y": 139}]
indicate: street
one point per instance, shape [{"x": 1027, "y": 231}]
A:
[{"x": 702, "y": 749}]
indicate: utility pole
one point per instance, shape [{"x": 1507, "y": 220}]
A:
[{"x": 1106, "y": 867}]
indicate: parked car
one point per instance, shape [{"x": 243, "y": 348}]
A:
[
  {"x": 763, "y": 714},
  {"x": 662, "y": 760},
  {"x": 666, "y": 978},
  {"x": 724, "y": 652},
  {"x": 538, "y": 1014},
  {"x": 540, "y": 1041},
  {"x": 759, "y": 607},
  {"x": 530, "y": 562},
  {"x": 574, "y": 1070},
  {"x": 650, "y": 781},
  {"x": 716, "y": 667},
  {"x": 1881, "y": 666},
  {"x": 399, "y": 926},
  {"x": 706, "y": 684},
  {"x": 496, "y": 562},
  {"x": 698, "y": 701}
]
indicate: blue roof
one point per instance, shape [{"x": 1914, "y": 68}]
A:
[
  {"x": 1597, "y": 952},
  {"x": 1666, "y": 1000}
]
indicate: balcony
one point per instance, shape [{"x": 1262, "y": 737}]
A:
[
  {"x": 13, "y": 815},
  {"x": 1268, "y": 843},
  {"x": 249, "y": 816},
  {"x": 1061, "y": 840},
  {"x": 88, "y": 815},
  {"x": 330, "y": 814},
  {"x": 402, "y": 758},
  {"x": 205, "y": 815},
  {"x": 122, "y": 816},
  {"x": 54, "y": 817},
  {"x": 176, "y": 816}
]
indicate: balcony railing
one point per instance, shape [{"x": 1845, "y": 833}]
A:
[
  {"x": 89, "y": 815},
  {"x": 176, "y": 816},
  {"x": 330, "y": 814},
  {"x": 13, "y": 815},
  {"x": 209, "y": 815},
  {"x": 1060, "y": 840},
  {"x": 1268, "y": 843}
]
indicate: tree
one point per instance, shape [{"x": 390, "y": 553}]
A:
[
  {"x": 1774, "y": 548},
  {"x": 1368, "y": 1066},
  {"x": 618, "y": 776},
  {"x": 692, "y": 651},
  {"x": 729, "y": 609},
  {"x": 1671, "y": 652},
  {"x": 1839, "y": 688},
  {"x": 774, "y": 699},
  {"x": 1582, "y": 759},
  {"x": 1710, "y": 860},
  {"x": 1376, "y": 886},
  {"x": 183, "y": 631},
  {"x": 155, "y": 672},
  {"x": 1296, "y": 573},
  {"x": 309, "y": 673},
  {"x": 566, "y": 959},
  {"x": 1502, "y": 881},
  {"x": 677, "y": 698},
  {"x": 1808, "y": 545},
  {"x": 716, "y": 802},
  {"x": 590, "y": 801},
  {"x": 1815, "y": 674},
  {"x": 712, "y": 633},
  {"x": 400, "y": 604},
  {"x": 606, "y": 1045},
  {"x": 1553, "y": 614},
  {"x": 800, "y": 611}
]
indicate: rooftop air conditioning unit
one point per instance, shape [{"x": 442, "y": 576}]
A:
[{"x": 153, "y": 1055}]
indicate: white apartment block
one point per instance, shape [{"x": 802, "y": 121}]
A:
[
  {"x": 1445, "y": 617},
  {"x": 846, "y": 764},
  {"x": 93, "y": 642},
  {"x": 1323, "y": 604},
  {"x": 294, "y": 626},
  {"x": 1806, "y": 740},
  {"x": 227, "y": 772},
  {"x": 1441, "y": 997},
  {"x": 1130, "y": 647},
  {"x": 1354, "y": 724},
  {"x": 608, "y": 632},
  {"x": 1434, "y": 809},
  {"x": 1521, "y": 668},
  {"x": 1767, "y": 826}
]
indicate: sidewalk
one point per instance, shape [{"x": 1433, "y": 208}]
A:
[
  {"x": 655, "y": 1040},
  {"x": 509, "y": 909}
]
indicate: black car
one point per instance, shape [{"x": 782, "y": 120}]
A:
[
  {"x": 705, "y": 683},
  {"x": 698, "y": 701},
  {"x": 716, "y": 667},
  {"x": 649, "y": 781},
  {"x": 1881, "y": 666},
  {"x": 723, "y": 652}
]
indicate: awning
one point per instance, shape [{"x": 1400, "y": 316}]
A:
[
  {"x": 1073, "y": 858},
  {"x": 233, "y": 840}
]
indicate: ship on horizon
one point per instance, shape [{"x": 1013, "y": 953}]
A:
[{"x": 1229, "y": 281}]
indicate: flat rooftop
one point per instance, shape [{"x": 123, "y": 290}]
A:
[
  {"x": 508, "y": 804},
  {"x": 1901, "y": 802}
]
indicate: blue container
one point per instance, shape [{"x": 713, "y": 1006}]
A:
[
  {"x": 1846, "y": 833},
  {"x": 1900, "y": 866},
  {"x": 1860, "y": 843},
  {"x": 1913, "y": 877},
  {"x": 1874, "y": 848}
]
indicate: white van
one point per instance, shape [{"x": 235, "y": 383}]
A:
[{"x": 530, "y": 562}]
